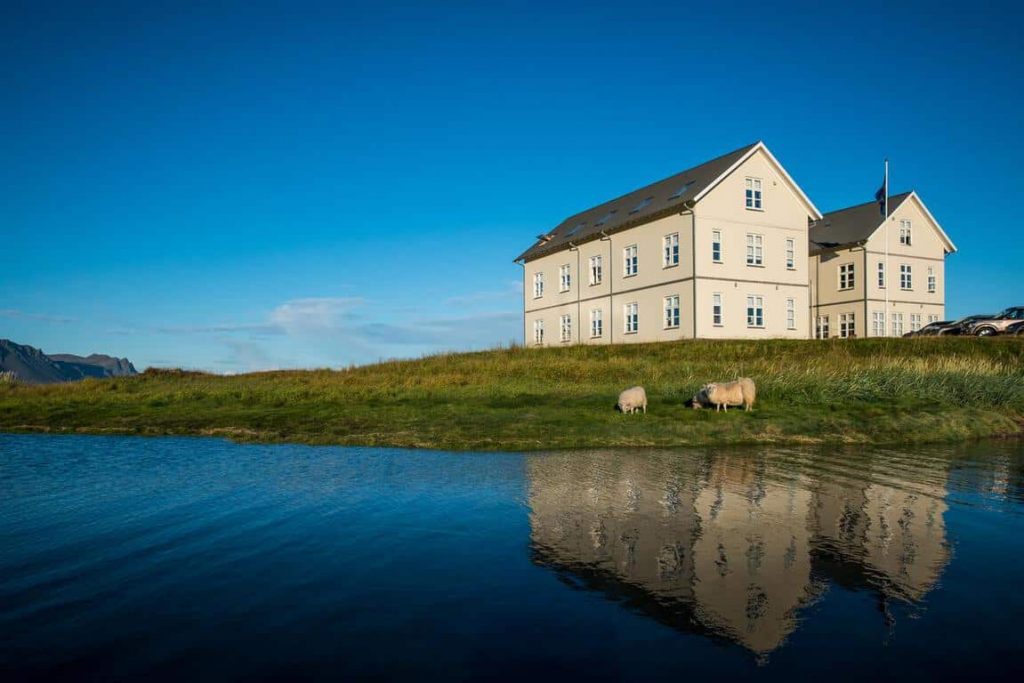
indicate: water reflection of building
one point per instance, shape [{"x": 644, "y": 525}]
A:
[{"x": 734, "y": 545}]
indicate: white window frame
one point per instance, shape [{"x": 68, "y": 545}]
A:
[
  {"x": 753, "y": 194},
  {"x": 878, "y": 323},
  {"x": 670, "y": 250},
  {"x": 755, "y": 249},
  {"x": 630, "y": 261},
  {"x": 716, "y": 309},
  {"x": 790, "y": 314},
  {"x": 915, "y": 322},
  {"x": 821, "y": 327},
  {"x": 847, "y": 325},
  {"x": 671, "y": 308},
  {"x": 847, "y": 276},
  {"x": 906, "y": 277},
  {"x": 755, "y": 311},
  {"x": 631, "y": 317},
  {"x": 881, "y": 274},
  {"x": 596, "y": 270},
  {"x": 716, "y": 246},
  {"x": 897, "y": 324},
  {"x": 538, "y": 285},
  {"x": 538, "y": 332},
  {"x": 933, "y": 318},
  {"x": 564, "y": 278},
  {"x": 931, "y": 279},
  {"x": 596, "y": 323},
  {"x": 906, "y": 232},
  {"x": 790, "y": 254},
  {"x": 565, "y": 328}
]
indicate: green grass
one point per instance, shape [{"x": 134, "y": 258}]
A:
[{"x": 857, "y": 391}]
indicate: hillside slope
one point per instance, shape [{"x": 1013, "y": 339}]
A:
[{"x": 31, "y": 366}]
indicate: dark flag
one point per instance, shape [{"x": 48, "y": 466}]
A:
[{"x": 881, "y": 194}]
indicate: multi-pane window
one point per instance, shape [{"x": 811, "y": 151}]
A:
[
  {"x": 846, "y": 276},
  {"x": 538, "y": 331},
  {"x": 716, "y": 246},
  {"x": 565, "y": 328},
  {"x": 846, "y": 325},
  {"x": 897, "y": 324},
  {"x": 538, "y": 285},
  {"x": 821, "y": 327},
  {"x": 631, "y": 317},
  {"x": 596, "y": 270},
  {"x": 671, "y": 311},
  {"x": 596, "y": 322},
  {"x": 564, "y": 278},
  {"x": 905, "y": 232},
  {"x": 790, "y": 314},
  {"x": 755, "y": 311},
  {"x": 790, "y": 254},
  {"x": 671, "y": 250},
  {"x": 629, "y": 260},
  {"x": 753, "y": 193},
  {"x": 716, "y": 308},
  {"x": 881, "y": 274},
  {"x": 915, "y": 322},
  {"x": 877, "y": 324},
  {"x": 755, "y": 249},
  {"x": 906, "y": 280},
  {"x": 931, "y": 280},
  {"x": 933, "y": 318}
]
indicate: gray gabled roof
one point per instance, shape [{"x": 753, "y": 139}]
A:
[
  {"x": 846, "y": 227},
  {"x": 673, "y": 194}
]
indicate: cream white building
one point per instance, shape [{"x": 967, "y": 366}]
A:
[
  {"x": 717, "y": 251},
  {"x": 878, "y": 278}
]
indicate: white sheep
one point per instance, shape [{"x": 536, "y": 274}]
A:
[
  {"x": 632, "y": 400},
  {"x": 741, "y": 392}
]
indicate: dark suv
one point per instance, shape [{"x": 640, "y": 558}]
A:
[
  {"x": 997, "y": 324},
  {"x": 959, "y": 326}
]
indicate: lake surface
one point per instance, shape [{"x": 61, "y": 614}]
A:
[{"x": 179, "y": 558}]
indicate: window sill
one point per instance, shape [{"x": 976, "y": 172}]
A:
[
  {"x": 596, "y": 336},
  {"x": 755, "y": 327},
  {"x": 595, "y": 284},
  {"x": 755, "y": 265},
  {"x": 671, "y": 327},
  {"x": 630, "y": 275},
  {"x": 629, "y": 332},
  {"x": 754, "y": 208},
  {"x": 717, "y": 325},
  {"x": 670, "y": 265},
  {"x": 718, "y": 261}
]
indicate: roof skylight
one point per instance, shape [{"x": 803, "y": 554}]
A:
[
  {"x": 607, "y": 217},
  {"x": 641, "y": 205},
  {"x": 575, "y": 229},
  {"x": 682, "y": 190}
]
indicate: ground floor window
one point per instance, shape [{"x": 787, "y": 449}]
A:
[
  {"x": 897, "y": 324},
  {"x": 632, "y": 317},
  {"x": 755, "y": 311},
  {"x": 790, "y": 314},
  {"x": 878, "y": 324},
  {"x": 933, "y": 318},
  {"x": 596, "y": 323},
  {"x": 846, "y": 325},
  {"x": 821, "y": 327},
  {"x": 538, "y": 331},
  {"x": 671, "y": 311},
  {"x": 716, "y": 309},
  {"x": 565, "y": 328},
  {"x": 915, "y": 322}
]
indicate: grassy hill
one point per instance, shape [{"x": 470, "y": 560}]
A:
[{"x": 856, "y": 391}]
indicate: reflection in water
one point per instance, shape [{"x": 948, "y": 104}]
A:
[{"x": 734, "y": 544}]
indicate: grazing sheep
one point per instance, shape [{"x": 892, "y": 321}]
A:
[
  {"x": 632, "y": 400},
  {"x": 740, "y": 392}
]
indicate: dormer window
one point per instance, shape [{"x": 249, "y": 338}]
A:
[{"x": 753, "y": 194}]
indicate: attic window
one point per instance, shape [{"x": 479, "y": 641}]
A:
[
  {"x": 576, "y": 229},
  {"x": 641, "y": 205},
  {"x": 607, "y": 217},
  {"x": 682, "y": 190}
]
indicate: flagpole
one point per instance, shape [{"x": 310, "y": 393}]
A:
[{"x": 888, "y": 280}]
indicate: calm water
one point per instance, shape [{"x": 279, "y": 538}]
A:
[{"x": 184, "y": 558}]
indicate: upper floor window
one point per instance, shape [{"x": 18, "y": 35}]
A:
[
  {"x": 596, "y": 322},
  {"x": 881, "y": 274},
  {"x": 564, "y": 278},
  {"x": 716, "y": 309},
  {"x": 755, "y": 249},
  {"x": 565, "y": 328},
  {"x": 846, "y": 276},
  {"x": 905, "y": 232},
  {"x": 753, "y": 194},
  {"x": 671, "y": 255},
  {"x": 629, "y": 261},
  {"x": 755, "y": 311},
  {"x": 931, "y": 280},
  {"x": 790, "y": 314},
  {"x": 716, "y": 246},
  {"x": 821, "y": 327},
  {"x": 906, "y": 277},
  {"x": 596, "y": 270},
  {"x": 538, "y": 331},
  {"x": 631, "y": 317},
  {"x": 538, "y": 285},
  {"x": 671, "y": 311},
  {"x": 790, "y": 254}
]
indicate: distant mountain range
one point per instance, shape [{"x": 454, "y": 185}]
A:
[{"x": 32, "y": 366}]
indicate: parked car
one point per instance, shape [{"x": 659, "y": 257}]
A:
[
  {"x": 997, "y": 324},
  {"x": 957, "y": 327},
  {"x": 931, "y": 329},
  {"x": 1016, "y": 328}
]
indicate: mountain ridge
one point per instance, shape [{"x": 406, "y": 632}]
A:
[{"x": 33, "y": 366}]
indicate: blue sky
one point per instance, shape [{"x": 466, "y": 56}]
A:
[{"x": 237, "y": 186}]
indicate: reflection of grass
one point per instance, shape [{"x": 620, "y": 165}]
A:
[{"x": 863, "y": 391}]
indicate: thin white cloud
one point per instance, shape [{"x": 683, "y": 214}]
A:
[
  {"x": 22, "y": 315},
  {"x": 315, "y": 314}
]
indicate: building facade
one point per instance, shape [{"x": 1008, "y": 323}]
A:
[
  {"x": 717, "y": 251},
  {"x": 878, "y": 278}
]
